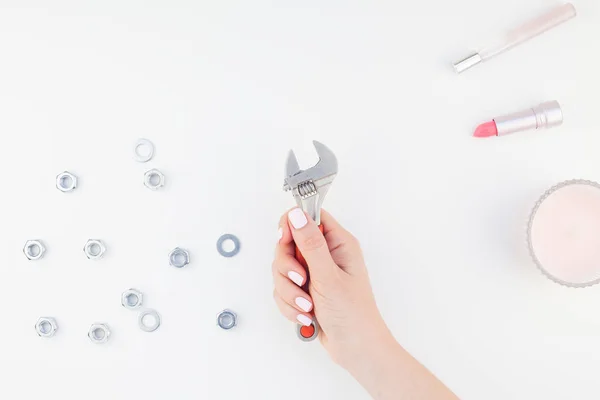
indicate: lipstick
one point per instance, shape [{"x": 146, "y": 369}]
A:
[{"x": 546, "y": 115}]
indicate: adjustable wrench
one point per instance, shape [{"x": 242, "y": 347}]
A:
[{"x": 309, "y": 188}]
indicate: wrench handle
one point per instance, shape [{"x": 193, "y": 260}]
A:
[{"x": 307, "y": 333}]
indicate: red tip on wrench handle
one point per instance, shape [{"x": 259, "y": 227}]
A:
[{"x": 307, "y": 333}]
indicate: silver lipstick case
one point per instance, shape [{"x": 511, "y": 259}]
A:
[{"x": 546, "y": 115}]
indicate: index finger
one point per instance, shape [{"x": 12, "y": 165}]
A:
[{"x": 286, "y": 245}]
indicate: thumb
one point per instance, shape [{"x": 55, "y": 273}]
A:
[{"x": 312, "y": 244}]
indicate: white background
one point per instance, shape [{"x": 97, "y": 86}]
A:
[{"x": 224, "y": 89}]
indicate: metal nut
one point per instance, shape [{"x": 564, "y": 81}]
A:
[
  {"x": 226, "y": 319},
  {"x": 179, "y": 257},
  {"x": 34, "y": 249},
  {"x": 94, "y": 249},
  {"x": 46, "y": 327},
  {"x": 154, "y": 179},
  {"x": 132, "y": 299},
  {"x": 66, "y": 181},
  {"x": 99, "y": 333}
]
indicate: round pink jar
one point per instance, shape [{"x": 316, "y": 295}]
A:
[{"x": 564, "y": 233}]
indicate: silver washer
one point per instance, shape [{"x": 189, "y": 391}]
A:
[
  {"x": 226, "y": 319},
  {"x": 236, "y": 245},
  {"x": 149, "y": 328},
  {"x": 143, "y": 156}
]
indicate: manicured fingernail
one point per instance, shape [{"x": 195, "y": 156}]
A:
[
  {"x": 304, "y": 304},
  {"x": 297, "y": 218},
  {"x": 304, "y": 320},
  {"x": 279, "y": 234},
  {"x": 296, "y": 277}
]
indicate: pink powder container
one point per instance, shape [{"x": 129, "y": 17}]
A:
[{"x": 564, "y": 233}]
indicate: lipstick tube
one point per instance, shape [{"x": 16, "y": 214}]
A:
[{"x": 546, "y": 115}]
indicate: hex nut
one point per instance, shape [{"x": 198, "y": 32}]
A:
[
  {"x": 99, "y": 333},
  {"x": 154, "y": 179},
  {"x": 226, "y": 319},
  {"x": 132, "y": 299},
  {"x": 34, "y": 249},
  {"x": 66, "y": 181},
  {"x": 46, "y": 327},
  {"x": 179, "y": 257},
  {"x": 94, "y": 249}
]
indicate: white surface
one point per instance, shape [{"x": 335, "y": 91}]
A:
[{"x": 223, "y": 90}]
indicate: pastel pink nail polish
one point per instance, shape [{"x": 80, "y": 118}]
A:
[
  {"x": 297, "y": 218},
  {"x": 303, "y": 304},
  {"x": 304, "y": 320},
  {"x": 296, "y": 278},
  {"x": 564, "y": 233}
]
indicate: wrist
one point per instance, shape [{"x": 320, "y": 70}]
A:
[
  {"x": 374, "y": 347},
  {"x": 381, "y": 367}
]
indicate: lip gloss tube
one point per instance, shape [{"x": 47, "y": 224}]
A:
[
  {"x": 546, "y": 115},
  {"x": 520, "y": 35}
]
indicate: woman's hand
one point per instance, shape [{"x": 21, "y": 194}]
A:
[
  {"x": 339, "y": 290},
  {"x": 340, "y": 296}
]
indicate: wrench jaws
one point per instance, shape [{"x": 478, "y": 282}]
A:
[{"x": 310, "y": 186}]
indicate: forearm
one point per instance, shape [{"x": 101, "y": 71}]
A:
[
  {"x": 388, "y": 372},
  {"x": 353, "y": 331}
]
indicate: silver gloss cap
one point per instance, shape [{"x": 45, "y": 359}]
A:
[{"x": 467, "y": 63}]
